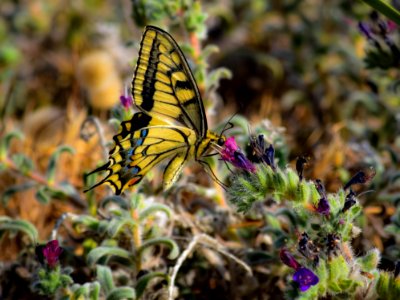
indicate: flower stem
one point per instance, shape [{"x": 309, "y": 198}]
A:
[{"x": 385, "y": 9}]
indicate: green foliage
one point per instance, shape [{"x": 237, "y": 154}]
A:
[
  {"x": 144, "y": 281},
  {"x": 122, "y": 234},
  {"x": 50, "y": 280},
  {"x": 104, "y": 276},
  {"x": 386, "y": 9},
  {"x": 46, "y": 186},
  {"x": 14, "y": 226},
  {"x": 89, "y": 290},
  {"x": 388, "y": 287}
]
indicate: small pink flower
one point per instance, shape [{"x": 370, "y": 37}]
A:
[
  {"x": 126, "y": 101},
  {"x": 232, "y": 154},
  {"x": 52, "y": 252},
  {"x": 288, "y": 259},
  {"x": 391, "y": 25}
]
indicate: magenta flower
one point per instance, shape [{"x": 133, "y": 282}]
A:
[
  {"x": 52, "y": 252},
  {"x": 305, "y": 278},
  {"x": 232, "y": 154},
  {"x": 126, "y": 101},
  {"x": 288, "y": 259}
]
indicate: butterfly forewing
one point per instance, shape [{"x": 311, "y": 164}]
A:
[{"x": 163, "y": 85}]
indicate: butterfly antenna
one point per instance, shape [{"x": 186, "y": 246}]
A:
[
  {"x": 228, "y": 123},
  {"x": 365, "y": 192}
]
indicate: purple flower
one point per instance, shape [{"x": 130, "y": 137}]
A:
[
  {"x": 126, "y": 101},
  {"x": 396, "y": 269},
  {"x": 305, "y": 278},
  {"x": 259, "y": 153},
  {"x": 269, "y": 156},
  {"x": 300, "y": 162},
  {"x": 52, "y": 252},
  {"x": 323, "y": 206},
  {"x": 350, "y": 201},
  {"x": 232, "y": 154},
  {"x": 288, "y": 259},
  {"x": 320, "y": 187},
  {"x": 365, "y": 30},
  {"x": 361, "y": 177}
]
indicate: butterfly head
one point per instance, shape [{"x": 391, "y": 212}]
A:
[{"x": 221, "y": 140}]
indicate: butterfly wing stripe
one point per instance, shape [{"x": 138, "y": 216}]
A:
[
  {"x": 141, "y": 150},
  {"x": 162, "y": 68},
  {"x": 174, "y": 168},
  {"x": 138, "y": 121}
]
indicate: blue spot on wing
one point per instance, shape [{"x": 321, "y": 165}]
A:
[
  {"x": 135, "y": 170},
  {"x": 144, "y": 132},
  {"x": 139, "y": 142}
]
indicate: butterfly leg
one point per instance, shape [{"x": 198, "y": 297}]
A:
[{"x": 210, "y": 172}]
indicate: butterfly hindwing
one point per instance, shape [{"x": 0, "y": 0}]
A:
[
  {"x": 163, "y": 85},
  {"x": 139, "y": 150}
]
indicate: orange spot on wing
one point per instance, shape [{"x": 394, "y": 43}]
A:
[{"x": 133, "y": 181}]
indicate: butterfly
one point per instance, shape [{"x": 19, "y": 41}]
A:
[{"x": 171, "y": 122}]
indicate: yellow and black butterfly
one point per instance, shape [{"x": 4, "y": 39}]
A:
[{"x": 171, "y": 122}]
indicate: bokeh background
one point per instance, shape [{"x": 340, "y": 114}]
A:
[{"x": 302, "y": 71}]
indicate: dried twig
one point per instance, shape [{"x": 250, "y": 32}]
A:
[{"x": 207, "y": 241}]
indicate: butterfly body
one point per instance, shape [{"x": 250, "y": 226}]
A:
[{"x": 171, "y": 122}]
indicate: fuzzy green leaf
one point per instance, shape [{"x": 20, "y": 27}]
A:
[
  {"x": 42, "y": 196},
  {"x": 143, "y": 281},
  {"x": 174, "y": 249},
  {"x": 121, "y": 293},
  {"x": 8, "y": 224},
  {"x": 118, "y": 200},
  {"x": 23, "y": 163},
  {"x": 154, "y": 208},
  {"x": 104, "y": 276},
  {"x": 51, "y": 167},
  {"x": 6, "y": 141},
  {"x": 117, "y": 225},
  {"x": 369, "y": 261},
  {"x": 107, "y": 252}
]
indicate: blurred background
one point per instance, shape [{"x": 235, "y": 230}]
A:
[{"x": 307, "y": 71}]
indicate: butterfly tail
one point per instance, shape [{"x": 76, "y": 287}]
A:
[{"x": 99, "y": 169}]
